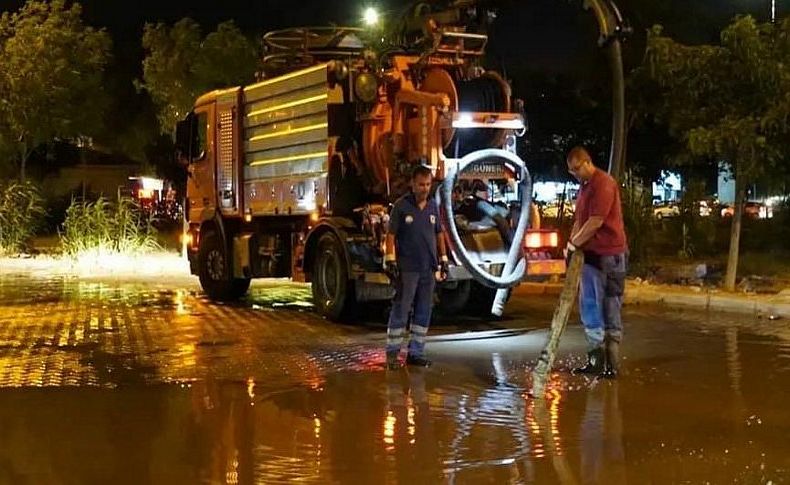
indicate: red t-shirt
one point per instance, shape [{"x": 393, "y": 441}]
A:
[{"x": 600, "y": 196}]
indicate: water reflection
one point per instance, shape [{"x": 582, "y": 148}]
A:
[
  {"x": 490, "y": 437},
  {"x": 219, "y": 433},
  {"x": 360, "y": 427},
  {"x": 410, "y": 443},
  {"x": 601, "y": 436},
  {"x": 264, "y": 396}
]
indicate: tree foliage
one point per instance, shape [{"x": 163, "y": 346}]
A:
[
  {"x": 51, "y": 76},
  {"x": 180, "y": 64},
  {"x": 728, "y": 102}
]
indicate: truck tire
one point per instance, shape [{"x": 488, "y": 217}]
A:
[
  {"x": 215, "y": 271},
  {"x": 453, "y": 301},
  {"x": 333, "y": 292}
]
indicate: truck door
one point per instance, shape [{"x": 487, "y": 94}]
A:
[
  {"x": 201, "y": 184},
  {"x": 228, "y": 153}
]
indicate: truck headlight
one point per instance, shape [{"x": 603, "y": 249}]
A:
[{"x": 366, "y": 87}]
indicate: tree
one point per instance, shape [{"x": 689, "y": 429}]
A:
[
  {"x": 51, "y": 76},
  {"x": 180, "y": 65},
  {"x": 725, "y": 102}
]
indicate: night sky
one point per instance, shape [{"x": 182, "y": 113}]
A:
[
  {"x": 549, "y": 37},
  {"x": 549, "y": 34}
]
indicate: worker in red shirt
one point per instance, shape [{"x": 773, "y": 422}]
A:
[{"x": 599, "y": 232}]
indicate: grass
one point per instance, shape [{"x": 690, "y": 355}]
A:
[
  {"x": 103, "y": 229},
  {"x": 21, "y": 212}
]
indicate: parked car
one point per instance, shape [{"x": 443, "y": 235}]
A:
[
  {"x": 705, "y": 209},
  {"x": 752, "y": 210},
  {"x": 667, "y": 210}
]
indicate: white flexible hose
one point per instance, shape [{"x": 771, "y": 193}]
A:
[{"x": 515, "y": 267}]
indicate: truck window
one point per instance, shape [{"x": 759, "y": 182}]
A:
[{"x": 201, "y": 137}]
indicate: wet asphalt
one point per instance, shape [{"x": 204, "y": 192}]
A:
[{"x": 131, "y": 382}]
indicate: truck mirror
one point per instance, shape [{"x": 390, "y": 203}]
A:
[
  {"x": 184, "y": 145},
  {"x": 189, "y": 142}
]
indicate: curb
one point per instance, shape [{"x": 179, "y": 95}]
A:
[
  {"x": 707, "y": 300},
  {"x": 771, "y": 306}
]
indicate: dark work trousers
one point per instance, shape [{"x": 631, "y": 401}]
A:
[
  {"x": 601, "y": 298},
  {"x": 413, "y": 290}
]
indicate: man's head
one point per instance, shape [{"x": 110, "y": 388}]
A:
[
  {"x": 458, "y": 193},
  {"x": 421, "y": 179},
  {"x": 480, "y": 189},
  {"x": 580, "y": 164}
]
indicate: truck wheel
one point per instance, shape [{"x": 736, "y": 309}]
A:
[
  {"x": 333, "y": 292},
  {"x": 453, "y": 300},
  {"x": 215, "y": 271}
]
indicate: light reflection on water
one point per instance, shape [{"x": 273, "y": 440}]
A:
[
  {"x": 363, "y": 427},
  {"x": 274, "y": 396}
]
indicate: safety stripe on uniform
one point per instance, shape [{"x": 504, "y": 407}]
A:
[
  {"x": 394, "y": 337},
  {"x": 420, "y": 339},
  {"x": 419, "y": 330}
]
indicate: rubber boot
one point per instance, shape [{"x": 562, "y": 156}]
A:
[
  {"x": 612, "y": 359},
  {"x": 595, "y": 363},
  {"x": 417, "y": 361},
  {"x": 393, "y": 361}
]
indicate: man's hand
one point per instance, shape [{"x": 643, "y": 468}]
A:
[
  {"x": 444, "y": 268},
  {"x": 570, "y": 248},
  {"x": 391, "y": 267}
]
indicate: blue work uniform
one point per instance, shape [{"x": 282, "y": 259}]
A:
[{"x": 415, "y": 232}]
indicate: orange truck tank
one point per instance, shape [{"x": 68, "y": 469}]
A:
[{"x": 294, "y": 176}]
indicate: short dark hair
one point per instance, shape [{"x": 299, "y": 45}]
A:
[
  {"x": 579, "y": 153},
  {"x": 421, "y": 171}
]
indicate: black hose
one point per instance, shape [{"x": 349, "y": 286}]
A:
[{"x": 483, "y": 94}]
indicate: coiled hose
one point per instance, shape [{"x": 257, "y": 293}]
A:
[{"x": 515, "y": 267}]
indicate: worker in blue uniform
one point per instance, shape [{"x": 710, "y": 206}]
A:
[{"x": 415, "y": 257}]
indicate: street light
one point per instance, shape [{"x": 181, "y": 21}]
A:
[
  {"x": 773, "y": 10},
  {"x": 371, "y": 16}
]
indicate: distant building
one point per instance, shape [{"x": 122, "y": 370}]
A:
[
  {"x": 77, "y": 171},
  {"x": 726, "y": 185},
  {"x": 668, "y": 188}
]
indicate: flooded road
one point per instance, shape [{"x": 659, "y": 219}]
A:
[{"x": 150, "y": 383}]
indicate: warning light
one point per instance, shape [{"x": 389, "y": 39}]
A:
[
  {"x": 145, "y": 194},
  {"x": 533, "y": 240},
  {"x": 541, "y": 239},
  {"x": 186, "y": 239}
]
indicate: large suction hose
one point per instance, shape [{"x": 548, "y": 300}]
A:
[{"x": 515, "y": 267}]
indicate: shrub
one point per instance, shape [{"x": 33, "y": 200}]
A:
[
  {"x": 21, "y": 213},
  {"x": 638, "y": 221},
  {"x": 103, "y": 228}
]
